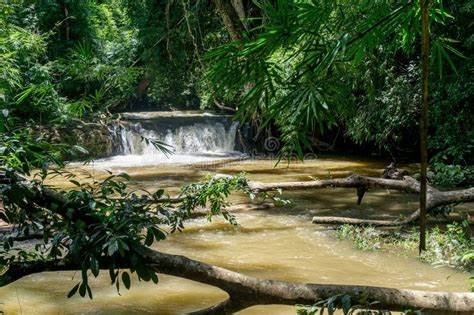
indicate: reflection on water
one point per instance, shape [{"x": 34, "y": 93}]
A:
[{"x": 275, "y": 243}]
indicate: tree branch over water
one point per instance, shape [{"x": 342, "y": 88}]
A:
[
  {"x": 435, "y": 197},
  {"x": 244, "y": 291}
]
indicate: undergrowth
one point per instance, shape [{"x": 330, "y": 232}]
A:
[{"x": 453, "y": 246}]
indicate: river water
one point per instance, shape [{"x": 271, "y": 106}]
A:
[{"x": 276, "y": 243}]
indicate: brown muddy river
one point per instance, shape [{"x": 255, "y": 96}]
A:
[{"x": 276, "y": 243}]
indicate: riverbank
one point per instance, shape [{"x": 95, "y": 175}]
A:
[{"x": 448, "y": 245}]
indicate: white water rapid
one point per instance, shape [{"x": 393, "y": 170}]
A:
[{"x": 192, "y": 137}]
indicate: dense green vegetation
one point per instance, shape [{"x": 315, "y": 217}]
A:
[
  {"x": 451, "y": 246},
  {"x": 307, "y": 72},
  {"x": 322, "y": 67},
  {"x": 63, "y": 59}
]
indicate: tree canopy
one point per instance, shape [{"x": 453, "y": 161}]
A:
[{"x": 308, "y": 70}]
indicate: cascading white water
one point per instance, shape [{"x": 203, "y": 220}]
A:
[
  {"x": 190, "y": 138},
  {"x": 198, "y": 138}
]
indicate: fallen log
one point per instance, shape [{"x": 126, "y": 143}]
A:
[
  {"x": 386, "y": 223},
  {"x": 360, "y": 222},
  {"x": 435, "y": 197},
  {"x": 245, "y": 291},
  {"x": 361, "y": 184},
  {"x": 408, "y": 184}
]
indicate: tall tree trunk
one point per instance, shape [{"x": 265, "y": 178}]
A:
[
  {"x": 230, "y": 18},
  {"x": 424, "y": 121},
  {"x": 66, "y": 25},
  {"x": 240, "y": 9}
]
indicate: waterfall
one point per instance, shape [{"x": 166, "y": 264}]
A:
[
  {"x": 198, "y": 138},
  {"x": 190, "y": 137}
]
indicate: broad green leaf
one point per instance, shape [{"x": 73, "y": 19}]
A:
[{"x": 126, "y": 279}]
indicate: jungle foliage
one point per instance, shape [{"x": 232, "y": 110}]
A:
[
  {"x": 63, "y": 59},
  {"x": 310, "y": 70},
  {"x": 313, "y": 66}
]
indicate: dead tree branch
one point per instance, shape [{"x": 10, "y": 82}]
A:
[{"x": 435, "y": 197}]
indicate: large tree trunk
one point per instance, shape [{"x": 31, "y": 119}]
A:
[
  {"x": 245, "y": 291},
  {"x": 230, "y": 18},
  {"x": 239, "y": 9}
]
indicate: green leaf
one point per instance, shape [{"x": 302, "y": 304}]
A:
[
  {"x": 123, "y": 247},
  {"x": 94, "y": 266},
  {"x": 112, "y": 274},
  {"x": 124, "y": 176},
  {"x": 117, "y": 285},
  {"x": 159, "y": 234},
  {"x": 159, "y": 193},
  {"x": 112, "y": 248},
  {"x": 75, "y": 182},
  {"x": 82, "y": 289},
  {"x": 73, "y": 290},
  {"x": 144, "y": 273},
  {"x": 149, "y": 237},
  {"x": 154, "y": 278},
  {"x": 126, "y": 279},
  {"x": 346, "y": 304},
  {"x": 80, "y": 149}
]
